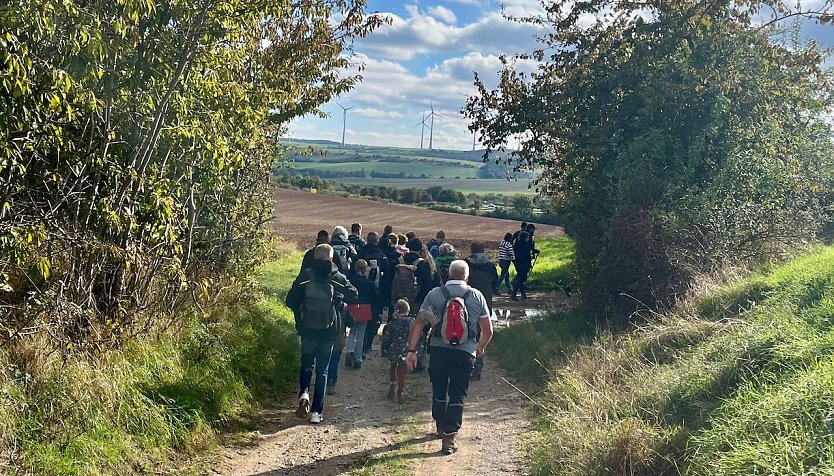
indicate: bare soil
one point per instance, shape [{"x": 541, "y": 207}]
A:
[{"x": 300, "y": 215}]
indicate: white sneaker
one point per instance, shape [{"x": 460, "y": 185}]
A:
[
  {"x": 315, "y": 418},
  {"x": 303, "y": 405}
]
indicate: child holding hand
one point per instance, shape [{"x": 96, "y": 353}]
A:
[{"x": 395, "y": 348}]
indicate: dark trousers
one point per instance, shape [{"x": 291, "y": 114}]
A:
[
  {"x": 450, "y": 371},
  {"x": 520, "y": 281},
  {"x": 333, "y": 367},
  {"x": 505, "y": 274},
  {"x": 370, "y": 333},
  {"x": 314, "y": 353}
]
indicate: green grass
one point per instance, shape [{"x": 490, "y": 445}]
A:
[
  {"x": 431, "y": 169},
  {"x": 737, "y": 381},
  {"x": 130, "y": 410},
  {"x": 555, "y": 267},
  {"x": 466, "y": 186},
  {"x": 528, "y": 350}
]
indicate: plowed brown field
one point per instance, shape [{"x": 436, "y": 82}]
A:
[{"x": 300, "y": 215}]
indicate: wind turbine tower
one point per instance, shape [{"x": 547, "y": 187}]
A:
[
  {"x": 431, "y": 127},
  {"x": 422, "y": 129},
  {"x": 344, "y": 119}
]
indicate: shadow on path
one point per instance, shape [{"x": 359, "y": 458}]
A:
[{"x": 342, "y": 463}]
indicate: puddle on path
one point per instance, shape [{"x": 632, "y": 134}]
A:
[{"x": 504, "y": 316}]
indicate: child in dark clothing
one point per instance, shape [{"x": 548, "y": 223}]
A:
[{"x": 395, "y": 348}]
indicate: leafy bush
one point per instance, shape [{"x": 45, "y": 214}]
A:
[
  {"x": 676, "y": 139},
  {"x": 137, "y": 143}
]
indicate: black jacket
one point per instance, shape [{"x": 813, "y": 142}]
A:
[
  {"x": 367, "y": 293},
  {"x": 425, "y": 278},
  {"x": 374, "y": 252},
  {"x": 523, "y": 254},
  {"x": 340, "y": 240},
  {"x": 344, "y": 292},
  {"x": 356, "y": 240},
  {"x": 307, "y": 261},
  {"x": 482, "y": 275}
]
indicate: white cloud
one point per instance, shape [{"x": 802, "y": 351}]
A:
[
  {"x": 377, "y": 113},
  {"x": 443, "y": 14},
  {"x": 422, "y": 34}
]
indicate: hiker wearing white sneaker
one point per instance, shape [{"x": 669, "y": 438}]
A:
[
  {"x": 315, "y": 418},
  {"x": 316, "y": 299},
  {"x": 456, "y": 313}
]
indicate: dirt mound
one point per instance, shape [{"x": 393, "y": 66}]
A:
[{"x": 300, "y": 215}]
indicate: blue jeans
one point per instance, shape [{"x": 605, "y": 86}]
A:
[
  {"x": 333, "y": 368},
  {"x": 356, "y": 341},
  {"x": 505, "y": 274},
  {"x": 314, "y": 353}
]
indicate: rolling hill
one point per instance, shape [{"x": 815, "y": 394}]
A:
[{"x": 402, "y": 167}]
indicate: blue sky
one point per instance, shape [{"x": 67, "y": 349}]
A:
[{"x": 425, "y": 57}]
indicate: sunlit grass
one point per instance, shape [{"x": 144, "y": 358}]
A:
[
  {"x": 739, "y": 381},
  {"x": 128, "y": 411}
]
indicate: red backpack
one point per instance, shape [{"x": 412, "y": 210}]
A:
[{"x": 454, "y": 326}]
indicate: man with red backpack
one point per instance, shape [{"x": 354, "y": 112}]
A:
[{"x": 456, "y": 313}]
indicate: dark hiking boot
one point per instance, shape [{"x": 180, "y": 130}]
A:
[
  {"x": 331, "y": 389},
  {"x": 391, "y": 390},
  {"x": 448, "y": 443},
  {"x": 437, "y": 431},
  {"x": 523, "y": 295},
  {"x": 349, "y": 360},
  {"x": 475, "y": 376},
  {"x": 513, "y": 297},
  {"x": 400, "y": 397}
]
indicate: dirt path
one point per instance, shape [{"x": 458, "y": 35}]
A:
[{"x": 362, "y": 428}]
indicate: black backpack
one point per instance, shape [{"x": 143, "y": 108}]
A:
[
  {"x": 317, "y": 309},
  {"x": 481, "y": 278},
  {"x": 341, "y": 258}
]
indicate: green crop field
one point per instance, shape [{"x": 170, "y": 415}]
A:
[
  {"x": 480, "y": 186},
  {"x": 431, "y": 169}
]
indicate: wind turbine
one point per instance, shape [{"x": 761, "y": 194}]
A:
[
  {"x": 422, "y": 129},
  {"x": 431, "y": 128},
  {"x": 344, "y": 119}
]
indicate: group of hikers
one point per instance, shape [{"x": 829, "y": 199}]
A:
[{"x": 432, "y": 302}]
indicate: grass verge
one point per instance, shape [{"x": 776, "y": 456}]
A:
[
  {"x": 132, "y": 410},
  {"x": 555, "y": 268},
  {"x": 737, "y": 381}
]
